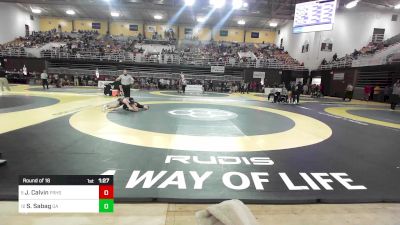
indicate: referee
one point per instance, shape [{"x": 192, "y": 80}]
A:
[
  {"x": 126, "y": 81},
  {"x": 44, "y": 77}
]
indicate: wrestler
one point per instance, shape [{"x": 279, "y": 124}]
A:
[{"x": 127, "y": 104}]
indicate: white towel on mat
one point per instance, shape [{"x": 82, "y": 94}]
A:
[{"x": 231, "y": 212}]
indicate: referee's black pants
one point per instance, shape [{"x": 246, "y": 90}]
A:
[
  {"x": 45, "y": 83},
  {"x": 127, "y": 90}
]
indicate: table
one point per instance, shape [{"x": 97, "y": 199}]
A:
[
  {"x": 102, "y": 83},
  {"x": 194, "y": 89},
  {"x": 267, "y": 91}
]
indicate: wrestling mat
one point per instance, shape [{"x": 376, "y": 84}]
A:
[{"x": 204, "y": 148}]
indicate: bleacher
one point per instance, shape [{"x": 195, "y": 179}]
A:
[
  {"x": 379, "y": 58},
  {"x": 380, "y": 78},
  {"x": 93, "y": 47},
  {"x": 384, "y": 52},
  {"x": 141, "y": 70}
]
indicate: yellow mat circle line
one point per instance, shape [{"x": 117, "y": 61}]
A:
[
  {"x": 343, "y": 112},
  {"x": 11, "y": 121},
  {"x": 307, "y": 131}
]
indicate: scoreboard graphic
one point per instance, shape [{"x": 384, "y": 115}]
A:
[
  {"x": 314, "y": 16},
  {"x": 66, "y": 194}
]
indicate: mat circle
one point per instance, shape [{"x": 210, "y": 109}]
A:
[
  {"x": 307, "y": 131},
  {"x": 358, "y": 114},
  {"x": 14, "y": 103},
  {"x": 389, "y": 116},
  {"x": 203, "y": 120}
]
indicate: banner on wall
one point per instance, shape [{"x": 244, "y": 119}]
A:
[
  {"x": 188, "y": 31},
  {"x": 217, "y": 69},
  {"x": 299, "y": 80},
  {"x": 316, "y": 81},
  {"x": 338, "y": 76},
  {"x": 96, "y": 26},
  {"x": 258, "y": 74},
  {"x": 151, "y": 29},
  {"x": 223, "y": 33},
  {"x": 255, "y": 34},
  {"x": 133, "y": 27}
]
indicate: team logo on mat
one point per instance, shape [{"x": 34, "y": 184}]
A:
[{"x": 203, "y": 114}]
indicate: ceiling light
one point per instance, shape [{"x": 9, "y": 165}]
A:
[
  {"x": 237, "y": 4},
  {"x": 245, "y": 4},
  {"x": 241, "y": 22},
  {"x": 351, "y": 4},
  {"x": 273, "y": 24},
  {"x": 37, "y": 11},
  {"x": 201, "y": 19},
  {"x": 217, "y": 3},
  {"x": 70, "y": 12},
  {"x": 158, "y": 17},
  {"x": 397, "y": 6},
  {"x": 115, "y": 14},
  {"x": 189, "y": 2}
]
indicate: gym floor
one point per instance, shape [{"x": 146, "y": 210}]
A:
[{"x": 320, "y": 151}]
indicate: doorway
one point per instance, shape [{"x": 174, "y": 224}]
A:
[{"x": 27, "y": 30}]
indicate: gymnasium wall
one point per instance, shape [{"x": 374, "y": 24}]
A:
[
  {"x": 32, "y": 64},
  {"x": 203, "y": 34},
  {"x": 272, "y": 76},
  {"x": 122, "y": 28},
  {"x": 12, "y": 22},
  {"x": 160, "y": 28},
  {"x": 353, "y": 29},
  {"x": 87, "y": 25},
  {"x": 47, "y": 24},
  {"x": 264, "y": 36},
  {"x": 234, "y": 35}
]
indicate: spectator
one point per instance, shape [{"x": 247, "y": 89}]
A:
[
  {"x": 376, "y": 93},
  {"x": 299, "y": 90},
  {"x": 335, "y": 57},
  {"x": 395, "y": 95},
  {"x": 367, "y": 92},
  {"x": 386, "y": 93},
  {"x": 76, "y": 80},
  {"x": 3, "y": 80},
  {"x": 305, "y": 89},
  {"x": 44, "y": 77},
  {"x": 348, "y": 92}
]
